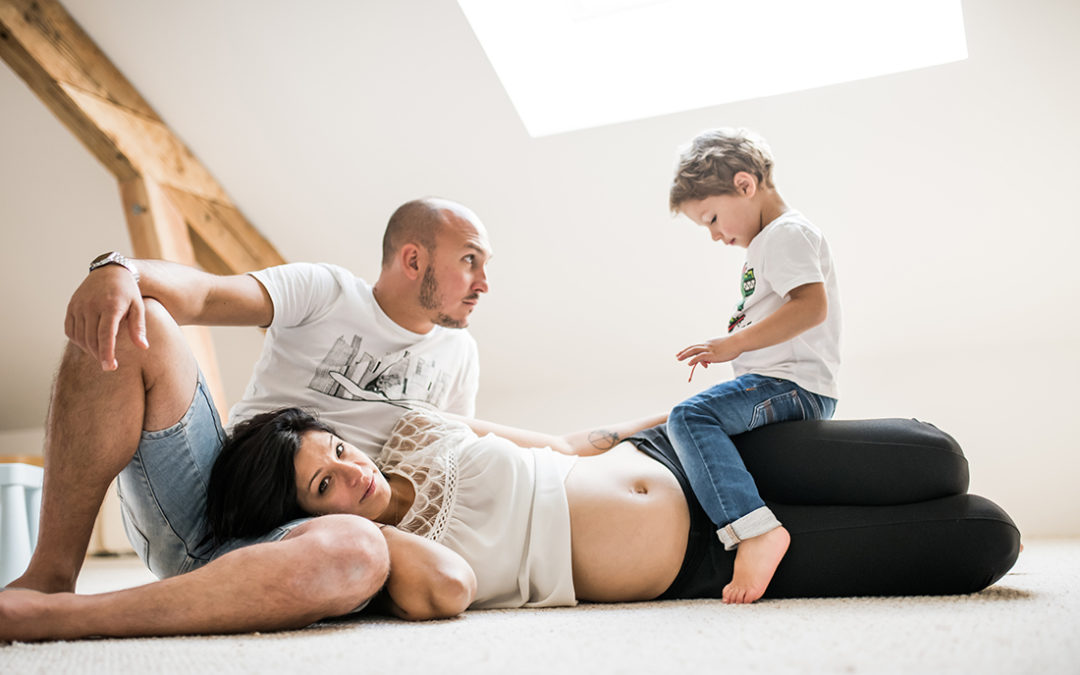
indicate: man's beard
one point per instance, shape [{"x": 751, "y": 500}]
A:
[{"x": 430, "y": 299}]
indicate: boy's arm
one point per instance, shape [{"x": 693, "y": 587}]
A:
[
  {"x": 807, "y": 307},
  {"x": 110, "y": 295},
  {"x": 586, "y": 442},
  {"x": 427, "y": 580}
]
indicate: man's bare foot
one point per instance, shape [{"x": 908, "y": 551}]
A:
[
  {"x": 756, "y": 560},
  {"x": 22, "y": 613},
  {"x": 45, "y": 584}
]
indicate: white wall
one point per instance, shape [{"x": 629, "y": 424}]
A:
[
  {"x": 947, "y": 195},
  {"x": 944, "y": 192}
]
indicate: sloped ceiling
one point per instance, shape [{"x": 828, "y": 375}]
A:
[{"x": 319, "y": 118}]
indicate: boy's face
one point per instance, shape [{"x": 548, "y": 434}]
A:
[{"x": 732, "y": 219}]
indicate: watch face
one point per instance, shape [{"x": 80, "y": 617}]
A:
[{"x": 101, "y": 257}]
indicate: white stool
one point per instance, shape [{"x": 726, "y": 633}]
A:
[{"x": 20, "y": 505}]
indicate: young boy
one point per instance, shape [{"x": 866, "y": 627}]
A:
[{"x": 782, "y": 342}]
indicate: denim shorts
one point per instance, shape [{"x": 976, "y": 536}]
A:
[{"x": 163, "y": 493}]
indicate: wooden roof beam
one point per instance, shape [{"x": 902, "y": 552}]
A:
[
  {"x": 62, "y": 65},
  {"x": 173, "y": 206}
]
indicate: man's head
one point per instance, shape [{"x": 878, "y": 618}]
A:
[
  {"x": 433, "y": 267},
  {"x": 709, "y": 164}
]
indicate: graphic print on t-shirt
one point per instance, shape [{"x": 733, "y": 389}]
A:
[
  {"x": 749, "y": 283},
  {"x": 349, "y": 373}
]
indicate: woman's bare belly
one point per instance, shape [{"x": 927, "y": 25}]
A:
[{"x": 629, "y": 525}]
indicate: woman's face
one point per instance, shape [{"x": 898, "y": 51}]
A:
[{"x": 333, "y": 476}]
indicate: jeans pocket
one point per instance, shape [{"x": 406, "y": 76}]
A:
[{"x": 780, "y": 408}]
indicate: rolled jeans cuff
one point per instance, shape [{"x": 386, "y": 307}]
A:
[{"x": 757, "y": 522}]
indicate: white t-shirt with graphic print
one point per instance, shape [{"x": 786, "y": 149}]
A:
[
  {"x": 332, "y": 349},
  {"x": 786, "y": 254}
]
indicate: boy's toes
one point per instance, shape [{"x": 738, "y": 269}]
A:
[{"x": 737, "y": 595}]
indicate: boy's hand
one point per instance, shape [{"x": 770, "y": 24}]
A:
[{"x": 716, "y": 350}]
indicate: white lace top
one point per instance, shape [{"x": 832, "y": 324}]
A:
[{"x": 501, "y": 507}]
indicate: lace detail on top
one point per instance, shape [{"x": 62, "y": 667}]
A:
[{"x": 423, "y": 448}]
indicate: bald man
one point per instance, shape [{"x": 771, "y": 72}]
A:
[{"x": 129, "y": 402}]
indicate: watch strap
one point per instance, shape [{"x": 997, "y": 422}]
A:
[{"x": 115, "y": 258}]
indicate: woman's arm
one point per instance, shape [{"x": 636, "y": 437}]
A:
[
  {"x": 427, "y": 580},
  {"x": 586, "y": 442}
]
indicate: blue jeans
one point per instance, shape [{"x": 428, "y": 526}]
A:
[
  {"x": 699, "y": 429},
  {"x": 163, "y": 493}
]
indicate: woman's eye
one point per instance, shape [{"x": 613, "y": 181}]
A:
[
  {"x": 323, "y": 484},
  {"x": 713, "y": 221},
  {"x": 340, "y": 449},
  {"x": 470, "y": 259}
]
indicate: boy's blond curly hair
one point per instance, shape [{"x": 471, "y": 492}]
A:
[{"x": 708, "y": 164}]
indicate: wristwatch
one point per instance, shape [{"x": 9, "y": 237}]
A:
[{"x": 115, "y": 258}]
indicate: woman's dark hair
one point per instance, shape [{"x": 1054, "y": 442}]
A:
[{"x": 253, "y": 483}]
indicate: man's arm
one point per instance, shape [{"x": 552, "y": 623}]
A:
[
  {"x": 427, "y": 580},
  {"x": 110, "y": 295},
  {"x": 807, "y": 307},
  {"x": 586, "y": 442}
]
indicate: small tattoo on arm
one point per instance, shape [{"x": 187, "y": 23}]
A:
[{"x": 602, "y": 439}]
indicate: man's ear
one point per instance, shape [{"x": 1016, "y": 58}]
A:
[
  {"x": 413, "y": 261},
  {"x": 745, "y": 183}
]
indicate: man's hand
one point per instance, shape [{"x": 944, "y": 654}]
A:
[
  {"x": 106, "y": 297},
  {"x": 716, "y": 350}
]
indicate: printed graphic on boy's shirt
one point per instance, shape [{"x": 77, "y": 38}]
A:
[
  {"x": 749, "y": 283},
  {"x": 736, "y": 320},
  {"x": 351, "y": 374}
]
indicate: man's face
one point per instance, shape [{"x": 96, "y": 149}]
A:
[{"x": 456, "y": 276}]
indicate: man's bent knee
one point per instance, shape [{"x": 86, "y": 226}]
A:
[
  {"x": 162, "y": 331},
  {"x": 350, "y": 560}
]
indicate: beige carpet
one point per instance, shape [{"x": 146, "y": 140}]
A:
[{"x": 1027, "y": 623}]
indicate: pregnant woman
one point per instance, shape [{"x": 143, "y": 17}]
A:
[{"x": 539, "y": 527}]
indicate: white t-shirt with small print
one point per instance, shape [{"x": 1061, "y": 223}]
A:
[
  {"x": 790, "y": 252},
  {"x": 330, "y": 348}
]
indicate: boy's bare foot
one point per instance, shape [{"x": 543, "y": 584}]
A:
[{"x": 756, "y": 560}]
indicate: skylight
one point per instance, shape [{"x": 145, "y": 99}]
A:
[{"x": 574, "y": 64}]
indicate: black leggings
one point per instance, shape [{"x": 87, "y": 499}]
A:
[{"x": 874, "y": 507}]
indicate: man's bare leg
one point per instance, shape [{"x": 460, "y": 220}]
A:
[
  {"x": 326, "y": 567},
  {"x": 92, "y": 431}
]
